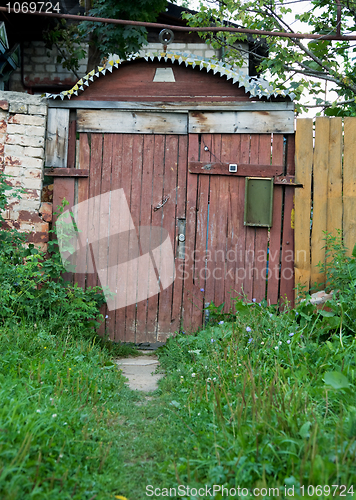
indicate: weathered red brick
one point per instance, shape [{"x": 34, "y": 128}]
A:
[
  {"x": 4, "y": 105},
  {"x": 3, "y": 126},
  {"x": 46, "y": 211},
  {"x": 47, "y": 193},
  {"x": 12, "y": 161},
  {"x": 26, "y": 216}
]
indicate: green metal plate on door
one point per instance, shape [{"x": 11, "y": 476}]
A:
[{"x": 258, "y": 201}]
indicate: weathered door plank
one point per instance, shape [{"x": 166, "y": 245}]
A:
[
  {"x": 57, "y": 137},
  {"x": 276, "y": 229}
]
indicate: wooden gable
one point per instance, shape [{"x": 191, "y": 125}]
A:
[{"x": 134, "y": 81}]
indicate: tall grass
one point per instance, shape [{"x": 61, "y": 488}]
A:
[{"x": 268, "y": 401}]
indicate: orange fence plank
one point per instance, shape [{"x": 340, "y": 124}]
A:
[
  {"x": 349, "y": 199},
  {"x": 334, "y": 210},
  {"x": 303, "y": 173},
  {"x": 320, "y": 192}
]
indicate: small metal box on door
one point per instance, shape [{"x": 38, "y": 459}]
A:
[{"x": 258, "y": 201}]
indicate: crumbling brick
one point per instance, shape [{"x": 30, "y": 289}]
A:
[
  {"x": 18, "y": 107},
  {"x": 4, "y": 105},
  {"x": 34, "y": 152},
  {"x": 46, "y": 211},
  {"x": 38, "y": 121},
  {"x": 37, "y": 110}
]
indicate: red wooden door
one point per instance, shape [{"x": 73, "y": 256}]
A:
[
  {"x": 220, "y": 258},
  {"x": 151, "y": 169},
  {"x": 224, "y": 258}
]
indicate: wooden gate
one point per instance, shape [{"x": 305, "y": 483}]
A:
[{"x": 167, "y": 185}]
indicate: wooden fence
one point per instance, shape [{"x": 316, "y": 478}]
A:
[{"x": 325, "y": 163}]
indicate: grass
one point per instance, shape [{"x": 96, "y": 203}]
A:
[
  {"x": 69, "y": 427},
  {"x": 261, "y": 400},
  {"x": 268, "y": 401}
]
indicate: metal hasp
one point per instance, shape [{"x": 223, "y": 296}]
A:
[{"x": 258, "y": 201}]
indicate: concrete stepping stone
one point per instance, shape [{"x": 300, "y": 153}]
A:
[{"x": 140, "y": 372}]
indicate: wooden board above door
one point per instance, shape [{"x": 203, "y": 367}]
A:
[
  {"x": 116, "y": 121},
  {"x": 241, "y": 122}
]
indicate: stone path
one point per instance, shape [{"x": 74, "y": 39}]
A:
[{"x": 141, "y": 372}]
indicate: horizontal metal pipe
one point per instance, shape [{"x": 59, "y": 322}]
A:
[{"x": 214, "y": 29}]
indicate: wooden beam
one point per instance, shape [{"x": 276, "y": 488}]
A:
[
  {"x": 240, "y": 122},
  {"x": 66, "y": 172},
  {"x": 243, "y": 170},
  {"x": 114, "y": 121},
  {"x": 172, "y": 106}
]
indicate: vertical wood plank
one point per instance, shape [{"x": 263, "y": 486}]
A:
[
  {"x": 334, "y": 213},
  {"x": 212, "y": 237},
  {"x": 181, "y": 214},
  {"x": 71, "y": 144},
  {"x": 57, "y": 137},
  {"x": 276, "y": 229},
  {"x": 275, "y": 236},
  {"x": 222, "y": 144},
  {"x": 203, "y": 281},
  {"x": 145, "y": 220},
  {"x": 229, "y": 154},
  {"x": 94, "y": 191},
  {"x": 168, "y": 223},
  {"x": 63, "y": 188},
  {"x": 349, "y": 187},
  {"x": 115, "y": 330},
  {"x": 123, "y": 281},
  {"x": 157, "y": 221},
  {"x": 303, "y": 174},
  {"x": 104, "y": 229},
  {"x": 261, "y": 239},
  {"x": 241, "y": 272},
  {"x": 320, "y": 190},
  {"x": 83, "y": 193},
  {"x": 287, "y": 258},
  {"x": 192, "y": 189},
  {"x": 251, "y": 231},
  {"x": 135, "y": 201}
]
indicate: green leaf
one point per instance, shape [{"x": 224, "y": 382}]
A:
[
  {"x": 354, "y": 251},
  {"x": 337, "y": 380},
  {"x": 304, "y": 430}
]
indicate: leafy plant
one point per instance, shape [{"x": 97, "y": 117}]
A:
[
  {"x": 293, "y": 64},
  {"x": 33, "y": 287}
]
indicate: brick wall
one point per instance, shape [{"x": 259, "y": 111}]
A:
[
  {"x": 198, "y": 49},
  {"x": 41, "y": 69},
  {"x": 22, "y": 139}
]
